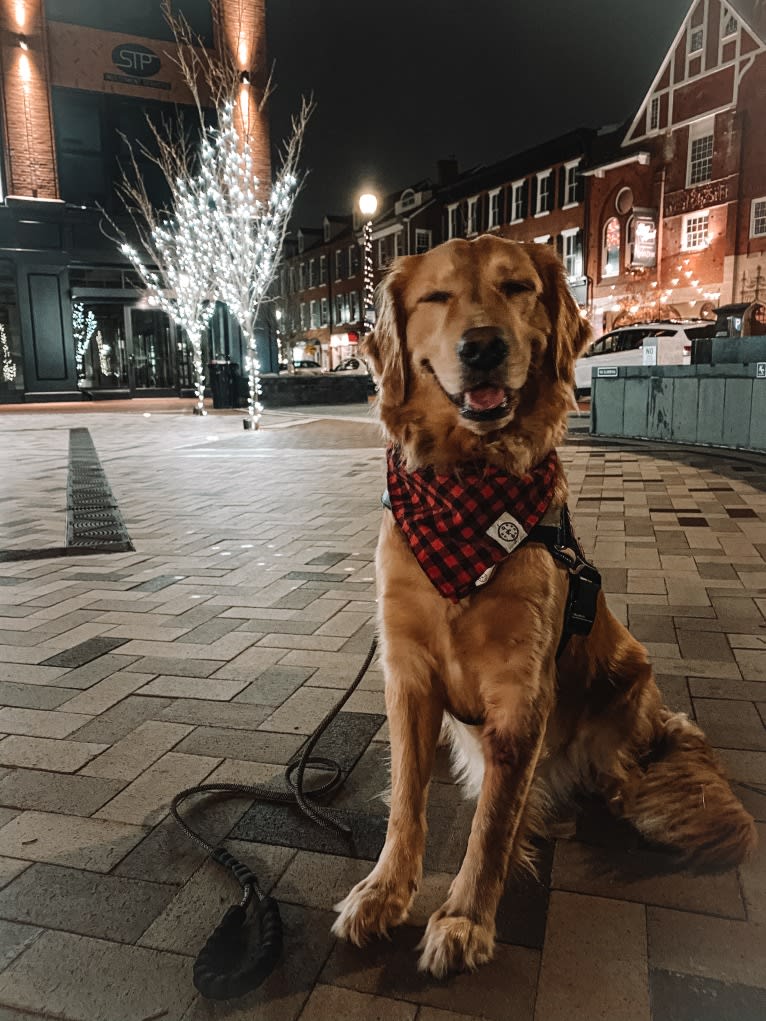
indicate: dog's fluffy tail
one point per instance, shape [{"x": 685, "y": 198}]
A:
[{"x": 681, "y": 798}]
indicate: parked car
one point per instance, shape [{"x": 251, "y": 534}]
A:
[
  {"x": 357, "y": 367},
  {"x": 625, "y": 346},
  {"x": 307, "y": 367}
]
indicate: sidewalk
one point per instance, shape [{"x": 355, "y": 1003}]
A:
[{"x": 215, "y": 648}]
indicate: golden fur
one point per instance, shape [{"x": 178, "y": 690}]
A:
[{"x": 594, "y": 719}]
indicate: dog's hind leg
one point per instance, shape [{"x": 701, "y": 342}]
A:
[
  {"x": 679, "y": 797},
  {"x": 655, "y": 768}
]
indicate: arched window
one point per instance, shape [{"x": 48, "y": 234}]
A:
[{"x": 611, "y": 254}]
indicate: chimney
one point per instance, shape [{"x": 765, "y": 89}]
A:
[{"x": 447, "y": 170}]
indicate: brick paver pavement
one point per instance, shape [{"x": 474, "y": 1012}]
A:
[{"x": 213, "y": 650}]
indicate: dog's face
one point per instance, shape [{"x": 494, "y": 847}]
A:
[{"x": 486, "y": 327}]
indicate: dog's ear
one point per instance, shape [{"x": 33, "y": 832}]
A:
[
  {"x": 570, "y": 331},
  {"x": 386, "y": 345}
]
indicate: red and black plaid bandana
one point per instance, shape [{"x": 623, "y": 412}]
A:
[{"x": 460, "y": 526}]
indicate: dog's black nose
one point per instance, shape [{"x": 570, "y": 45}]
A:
[{"x": 481, "y": 348}]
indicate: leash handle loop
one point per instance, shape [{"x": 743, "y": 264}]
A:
[{"x": 225, "y": 968}]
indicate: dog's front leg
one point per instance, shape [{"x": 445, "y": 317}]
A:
[
  {"x": 461, "y": 934},
  {"x": 383, "y": 899}
]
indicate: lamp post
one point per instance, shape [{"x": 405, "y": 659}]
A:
[{"x": 368, "y": 204}]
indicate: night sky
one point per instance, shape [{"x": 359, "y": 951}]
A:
[{"x": 401, "y": 83}]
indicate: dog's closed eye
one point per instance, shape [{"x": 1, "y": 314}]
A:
[
  {"x": 436, "y": 297},
  {"x": 512, "y": 287}
]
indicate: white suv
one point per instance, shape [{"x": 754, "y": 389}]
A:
[{"x": 631, "y": 345}]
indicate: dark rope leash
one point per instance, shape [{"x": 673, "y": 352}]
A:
[{"x": 226, "y": 967}]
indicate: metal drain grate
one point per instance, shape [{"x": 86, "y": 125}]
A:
[{"x": 94, "y": 522}]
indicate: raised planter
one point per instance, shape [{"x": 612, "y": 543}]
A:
[
  {"x": 721, "y": 405},
  {"x": 286, "y": 391}
]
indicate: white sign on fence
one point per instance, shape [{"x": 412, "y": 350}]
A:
[
  {"x": 605, "y": 372},
  {"x": 760, "y": 370}
]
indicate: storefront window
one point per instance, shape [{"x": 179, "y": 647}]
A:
[
  {"x": 152, "y": 353},
  {"x": 11, "y": 367},
  {"x": 101, "y": 355}
]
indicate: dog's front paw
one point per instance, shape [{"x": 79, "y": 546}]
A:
[
  {"x": 454, "y": 943},
  {"x": 370, "y": 909}
]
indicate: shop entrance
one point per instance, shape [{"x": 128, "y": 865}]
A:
[{"x": 128, "y": 351}]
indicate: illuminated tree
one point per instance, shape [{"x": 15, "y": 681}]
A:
[
  {"x": 221, "y": 236},
  {"x": 250, "y": 231}
]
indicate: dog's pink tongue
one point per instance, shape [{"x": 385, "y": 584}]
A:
[{"x": 484, "y": 398}]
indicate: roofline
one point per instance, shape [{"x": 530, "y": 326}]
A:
[
  {"x": 642, "y": 156},
  {"x": 670, "y": 50}
]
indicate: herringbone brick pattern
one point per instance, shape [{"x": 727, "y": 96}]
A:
[{"x": 215, "y": 648}]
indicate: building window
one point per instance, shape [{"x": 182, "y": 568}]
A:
[
  {"x": 314, "y": 313},
  {"x": 302, "y": 276},
  {"x": 612, "y": 235},
  {"x": 728, "y": 22},
  {"x": 700, "y": 158},
  {"x": 354, "y": 307},
  {"x": 453, "y": 221},
  {"x": 544, "y": 193},
  {"x": 654, "y": 114},
  {"x": 325, "y": 313},
  {"x": 543, "y": 239},
  {"x": 571, "y": 184},
  {"x": 471, "y": 225},
  {"x": 696, "y": 40},
  {"x": 422, "y": 241},
  {"x": 322, "y": 269},
  {"x": 572, "y": 252},
  {"x": 494, "y": 209},
  {"x": 339, "y": 264},
  {"x": 518, "y": 201},
  {"x": 312, "y": 272},
  {"x": 695, "y": 231},
  {"x": 339, "y": 309},
  {"x": 758, "y": 218},
  {"x": 384, "y": 253},
  {"x": 399, "y": 243},
  {"x": 304, "y": 316}
]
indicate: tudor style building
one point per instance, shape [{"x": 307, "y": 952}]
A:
[
  {"x": 678, "y": 207},
  {"x": 76, "y": 78}
]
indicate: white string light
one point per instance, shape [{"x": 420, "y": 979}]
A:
[
  {"x": 248, "y": 234},
  {"x": 183, "y": 286},
  {"x": 83, "y": 328},
  {"x": 8, "y": 364}
]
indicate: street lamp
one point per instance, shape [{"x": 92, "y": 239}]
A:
[{"x": 368, "y": 204}]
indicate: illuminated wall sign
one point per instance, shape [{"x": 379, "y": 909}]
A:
[
  {"x": 138, "y": 65},
  {"x": 644, "y": 242}
]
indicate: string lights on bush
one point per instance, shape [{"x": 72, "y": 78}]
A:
[
  {"x": 7, "y": 364},
  {"x": 84, "y": 325}
]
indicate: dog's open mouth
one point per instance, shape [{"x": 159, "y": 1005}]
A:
[{"x": 484, "y": 403}]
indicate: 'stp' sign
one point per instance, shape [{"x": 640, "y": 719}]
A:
[{"x": 136, "y": 60}]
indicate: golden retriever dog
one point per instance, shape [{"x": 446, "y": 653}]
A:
[{"x": 474, "y": 351}]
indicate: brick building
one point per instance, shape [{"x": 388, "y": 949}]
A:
[
  {"x": 678, "y": 205},
  {"x": 75, "y": 76},
  {"x": 662, "y": 216},
  {"x": 533, "y": 196}
]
